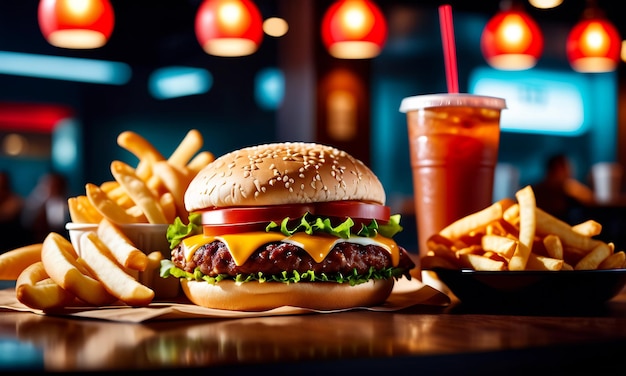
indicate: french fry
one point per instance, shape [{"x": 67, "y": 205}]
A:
[
  {"x": 614, "y": 261},
  {"x": 59, "y": 260},
  {"x": 445, "y": 253},
  {"x": 176, "y": 181},
  {"x": 154, "y": 184},
  {"x": 594, "y": 258},
  {"x": 82, "y": 211},
  {"x": 588, "y": 228},
  {"x": 548, "y": 224},
  {"x": 117, "y": 194},
  {"x": 110, "y": 186},
  {"x": 438, "y": 239},
  {"x": 139, "y": 192},
  {"x": 107, "y": 207},
  {"x": 98, "y": 259},
  {"x": 13, "y": 262},
  {"x": 511, "y": 214},
  {"x": 501, "y": 245},
  {"x": 137, "y": 214},
  {"x": 186, "y": 149},
  {"x": 35, "y": 289},
  {"x": 554, "y": 247},
  {"x": 536, "y": 262},
  {"x": 142, "y": 149},
  {"x": 469, "y": 250},
  {"x": 168, "y": 204},
  {"x": 122, "y": 248},
  {"x": 476, "y": 220},
  {"x": 200, "y": 161},
  {"x": 527, "y": 225},
  {"x": 479, "y": 262}
]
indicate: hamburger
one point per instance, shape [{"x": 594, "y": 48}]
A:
[{"x": 286, "y": 224}]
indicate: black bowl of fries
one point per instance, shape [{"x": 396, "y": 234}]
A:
[
  {"x": 533, "y": 288},
  {"x": 515, "y": 254}
]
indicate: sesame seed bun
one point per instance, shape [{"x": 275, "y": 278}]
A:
[{"x": 282, "y": 173}]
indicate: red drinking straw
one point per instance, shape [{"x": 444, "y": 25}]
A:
[{"x": 449, "y": 47}]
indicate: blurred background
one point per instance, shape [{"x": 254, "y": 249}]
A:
[{"x": 61, "y": 109}]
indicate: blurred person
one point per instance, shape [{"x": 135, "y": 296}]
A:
[
  {"x": 559, "y": 193},
  {"x": 46, "y": 208},
  {"x": 11, "y": 205}
]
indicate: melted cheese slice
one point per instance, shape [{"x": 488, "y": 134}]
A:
[{"x": 242, "y": 245}]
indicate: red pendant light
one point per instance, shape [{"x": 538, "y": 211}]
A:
[
  {"x": 594, "y": 44},
  {"x": 511, "y": 40},
  {"x": 229, "y": 27},
  {"x": 79, "y": 24},
  {"x": 354, "y": 29}
]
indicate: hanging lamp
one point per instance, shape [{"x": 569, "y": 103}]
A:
[
  {"x": 593, "y": 44},
  {"x": 78, "y": 24},
  {"x": 511, "y": 40},
  {"x": 229, "y": 27},
  {"x": 354, "y": 29}
]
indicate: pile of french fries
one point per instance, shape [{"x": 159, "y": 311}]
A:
[
  {"x": 152, "y": 192},
  {"x": 109, "y": 267},
  {"x": 510, "y": 235}
]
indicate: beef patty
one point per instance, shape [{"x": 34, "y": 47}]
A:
[{"x": 214, "y": 259}]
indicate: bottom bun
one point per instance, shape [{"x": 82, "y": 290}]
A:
[{"x": 255, "y": 296}]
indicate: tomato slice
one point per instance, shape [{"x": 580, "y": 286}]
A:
[
  {"x": 353, "y": 209},
  {"x": 217, "y": 230},
  {"x": 244, "y": 219},
  {"x": 251, "y": 214}
]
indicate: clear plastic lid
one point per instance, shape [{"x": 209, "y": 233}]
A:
[{"x": 437, "y": 100}]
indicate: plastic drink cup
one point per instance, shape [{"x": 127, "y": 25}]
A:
[{"x": 453, "y": 142}]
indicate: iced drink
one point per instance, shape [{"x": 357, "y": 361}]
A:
[{"x": 453, "y": 141}]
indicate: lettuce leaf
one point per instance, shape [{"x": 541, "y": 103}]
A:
[
  {"x": 177, "y": 231},
  {"x": 310, "y": 224}
]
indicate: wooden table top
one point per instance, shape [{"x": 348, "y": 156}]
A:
[{"x": 439, "y": 339}]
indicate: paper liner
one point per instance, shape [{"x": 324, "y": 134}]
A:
[{"x": 404, "y": 295}]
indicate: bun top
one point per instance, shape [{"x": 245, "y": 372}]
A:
[{"x": 282, "y": 173}]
